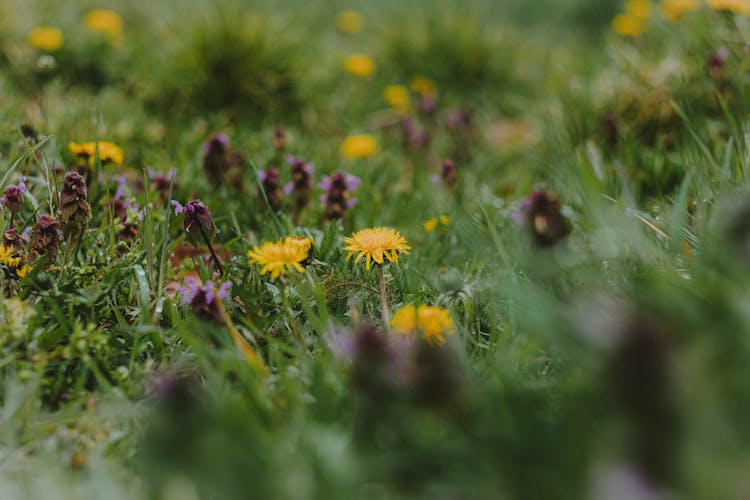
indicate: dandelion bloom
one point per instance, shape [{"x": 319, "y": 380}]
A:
[
  {"x": 432, "y": 321},
  {"x": 7, "y": 259},
  {"x": 360, "y": 65},
  {"x": 423, "y": 86},
  {"x": 108, "y": 152},
  {"x": 638, "y": 8},
  {"x": 675, "y": 9},
  {"x": 46, "y": 38},
  {"x": 349, "y": 21},
  {"x": 737, "y": 6},
  {"x": 105, "y": 21},
  {"x": 628, "y": 25},
  {"x": 356, "y": 147},
  {"x": 397, "y": 97},
  {"x": 378, "y": 244},
  {"x": 281, "y": 257}
]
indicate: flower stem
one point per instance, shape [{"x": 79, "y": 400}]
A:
[
  {"x": 292, "y": 319},
  {"x": 214, "y": 257},
  {"x": 251, "y": 356},
  {"x": 383, "y": 298}
]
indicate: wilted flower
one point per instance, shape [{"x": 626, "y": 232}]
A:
[
  {"x": 431, "y": 321},
  {"x": 108, "y": 152},
  {"x": 46, "y": 38},
  {"x": 356, "y": 147},
  {"x": 349, "y": 21},
  {"x": 199, "y": 225},
  {"x": 380, "y": 244},
  {"x": 338, "y": 197},
  {"x": 45, "y": 238},
  {"x": 281, "y": 257},
  {"x": 301, "y": 185},
  {"x": 12, "y": 239},
  {"x": 202, "y": 299},
  {"x": 74, "y": 211},
  {"x": 271, "y": 186},
  {"x": 541, "y": 214},
  {"x": 359, "y": 65}
]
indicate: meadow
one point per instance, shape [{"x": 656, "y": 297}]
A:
[{"x": 494, "y": 249}]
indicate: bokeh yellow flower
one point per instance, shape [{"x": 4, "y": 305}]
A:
[
  {"x": 356, "y": 147},
  {"x": 108, "y": 152},
  {"x": 46, "y": 38},
  {"x": 737, "y": 6},
  {"x": 349, "y": 21},
  {"x": 675, "y": 9},
  {"x": 628, "y": 25},
  {"x": 359, "y": 65},
  {"x": 638, "y": 8},
  {"x": 22, "y": 271},
  {"x": 281, "y": 257},
  {"x": 423, "y": 86},
  {"x": 431, "y": 321},
  {"x": 379, "y": 244},
  {"x": 433, "y": 223},
  {"x": 105, "y": 21},
  {"x": 397, "y": 97}
]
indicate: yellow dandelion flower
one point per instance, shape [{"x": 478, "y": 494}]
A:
[
  {"x": 432, "y": 224},
  {"x": 397, "y": 97},
  {"x": 304, "y": 242},
  {"x": 378, "y": 244},
  {"x": 638, "y": 8},
  {"x": 7, "y": 259},
  {"x": 281, "y": 257},
  {"x": 675, "y": 9},
  {"x": 105, "y": 21},
  {"x": 431, "y": 321},
  {"x": 22, "y": 271},
  {"x": 423, "y": 86},
  {"x": 359, "y": 65},
  {"x": 628, "y": 25},
  {"x": 46, "y": 38},
  {"x": 349, "y": 21},
  {"x": 108, "y": 152},
  {"x": 357, "y": 147},
  {"x": 736, "y": 6}
]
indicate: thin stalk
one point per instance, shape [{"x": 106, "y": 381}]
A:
[
  {"x": 384, "y": 314},
  {"x": 251, "y": 356},
  {"x": 292, "y": 319},
  {"x": 214, "y": 257}
]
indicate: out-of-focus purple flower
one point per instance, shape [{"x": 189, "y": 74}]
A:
[
  {"x": 623, "y": 483},
  {"x": 414, "y": 138},
  {"x": 427, "y": 104},
  {"x": 716, "y": 62},
  {"x": 218, "y": 141},
  {"x": 161, "y": 182},
  {"x": 541, "y": 214},
  {"x": 301, "y": 185},
  {"x": 202, "y": 298},
  {"x": 338, "y": 197},
  {"x": 391, "y": 356},
  {"x": 279, "y": 140},
  {"x": 462, "y": 118},
  {"x": 270, "y": 184}
]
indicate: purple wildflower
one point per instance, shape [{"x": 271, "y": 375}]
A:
[
  {"x": 301, "y": 185},
  {"x": 542, "y": 215},
  {"x": 338, "y": 198},
  {"x": 270, "y": 184},
  {"x": 13, "y": 196},
  {"x": 202, "y": 299}
]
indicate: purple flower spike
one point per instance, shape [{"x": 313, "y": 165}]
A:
[{"x": 203, "y": 299}]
